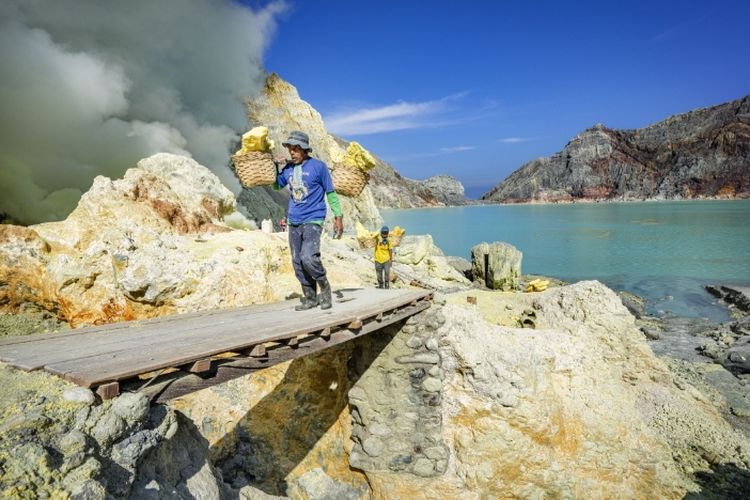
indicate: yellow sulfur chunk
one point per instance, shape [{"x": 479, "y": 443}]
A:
[
  {"x": 398, "y": 231},
  {"x": 537, "y": 285},
  {"x": 358, "y": 157},
  {"x": 256, "y": 140},
  {"x": 363, "y": 233}
]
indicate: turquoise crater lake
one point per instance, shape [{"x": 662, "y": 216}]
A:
[{"x": 664, "y": 251}]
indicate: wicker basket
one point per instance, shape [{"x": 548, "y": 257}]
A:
[
  {"x": 349, "y": 181},
  {"x": 255, "y": 168}
]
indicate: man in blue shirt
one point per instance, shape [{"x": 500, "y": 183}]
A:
[{"x": 310, "y": 185}]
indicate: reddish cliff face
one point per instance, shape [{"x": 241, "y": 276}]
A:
[{"x": 701, "y": 154}]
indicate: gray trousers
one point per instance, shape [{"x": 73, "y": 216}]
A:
[
  {"x": 383, "y": 271},
  {"x": 304, "y": 242}
]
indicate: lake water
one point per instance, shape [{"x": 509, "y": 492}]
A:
[{"x": 663, "y": 251}]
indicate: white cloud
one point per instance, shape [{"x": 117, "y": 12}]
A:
[
  {"x": 456, "y": 149},
  {"x": 390, "y": 118},
  {"x": 514, "y": 140}
]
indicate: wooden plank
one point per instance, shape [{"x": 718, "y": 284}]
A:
[
  {"x": 171, "y": 351},
  {"x": 136, "y": 324},
  {"x": 258, "y": 351},
  {"x": 176, "y": 385},
  {"x": 55, "y": 349},
  {"x": 93, "y": 341},
  {"x": 69, "y": 344},
  {"x": 144, "y": 353},
  {"x": 109, "y": 368},
  {"x": 200, "y": 366},
  {"x": 108, "y": 391}
]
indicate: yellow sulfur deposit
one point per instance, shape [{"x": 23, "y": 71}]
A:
[
  {"x": 256, "y": 140},
  {"x": 537, "y": 285},
  {"x": 363, "y": 233},
  {"x": 358, "y": 157}
]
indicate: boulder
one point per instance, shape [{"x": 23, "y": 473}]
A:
[
  {"x": 738, "y": 356},
  {"x": 420, "y": 253},
  {"x": 497, "y": 264},
  {"x": 461, "y": 265}
]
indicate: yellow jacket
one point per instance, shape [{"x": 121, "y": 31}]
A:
[{"x": 383, "y": 250}]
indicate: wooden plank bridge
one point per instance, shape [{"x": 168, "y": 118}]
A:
[{"x": 171, "y": 356}]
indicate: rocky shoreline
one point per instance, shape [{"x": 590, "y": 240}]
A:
[
  {"x": 589, "y": 201},
  {"x": 712, "y": 356}
]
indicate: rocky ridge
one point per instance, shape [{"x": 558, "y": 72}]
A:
[
  {"x": 704, "y": 153},
  {"x": 280, "y": 108}
]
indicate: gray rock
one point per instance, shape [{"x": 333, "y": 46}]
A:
[
  {"x": 431, "y": 384},
  {"x": 635, "y": 304},
  {"x": 424, "y": 467},
  {"x": 79, "y": 395},
  {"x": 31, "y": 419},
  {"x": 378, "y": 429},
  {"x": 738, "y": 357},
  {"x": 436, "y": 452},
  {"x": 414, "y": 342},
  {"x": 741, "y": 326},
  {"x": 432, "y": 344},
  {"x": 461, "y": 265},
  {"x": 108, "y": 428},
  {"x": 731, "y": 388},
  {"x": 737, "y": 296},
  {"x": 431, "y": 358},
  {"x": 497, "y": 265},
  {"x": 72, "y": 442},
  {"x": 317, "y": 484},
  {"x": 88, "y": 490},
  {"x": 132, "y": 407},
  {"x": 651, "y": 332},
  {"x": 373, "y": 446}
]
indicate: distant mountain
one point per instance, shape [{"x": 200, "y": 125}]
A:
[
  {"x": 704, "y": 153},
  {"x": 392, "y": 190}
]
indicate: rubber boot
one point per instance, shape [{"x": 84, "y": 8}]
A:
[
  {"x": 324, "y": 298},
  {"x": 309, "y": 300}
]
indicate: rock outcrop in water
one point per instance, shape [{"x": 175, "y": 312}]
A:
[
  {"x": 456, "y": 402},
  {"x": 704, "y": 153}
]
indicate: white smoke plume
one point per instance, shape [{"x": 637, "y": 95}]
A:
[{"x": 89, "y": 87}]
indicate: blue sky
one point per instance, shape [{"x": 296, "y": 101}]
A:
[{"x": 476, "y": 89}]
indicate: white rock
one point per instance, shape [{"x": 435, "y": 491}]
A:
[{"x": 79, "y": 395}]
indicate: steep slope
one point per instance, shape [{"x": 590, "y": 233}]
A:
[
  {"x": 704, "y": 153},
  {"x": 280, "y": 108}
]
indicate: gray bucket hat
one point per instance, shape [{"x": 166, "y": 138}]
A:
[{"x": 298, "y": 138}]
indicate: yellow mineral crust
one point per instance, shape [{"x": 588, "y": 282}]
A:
[
  {"x": 256, "y": 140},
  {"x": 537, "y": 285},
  {"x": 358, "y": 157}
]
